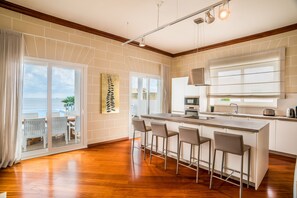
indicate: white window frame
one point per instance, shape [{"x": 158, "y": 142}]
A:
[
  {"x": 141, "y": 75},
  {"x": 240, "y": 99}
]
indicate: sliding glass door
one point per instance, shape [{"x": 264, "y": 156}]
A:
[
  {"x": 35, "y": 108},
  {"x": 52, "y": 107},
  {"x": 145, "y": 95}
]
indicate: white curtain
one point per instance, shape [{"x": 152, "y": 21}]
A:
[
  {"x": 165, "y": 91},
  {"x": 11, "y": 53}
]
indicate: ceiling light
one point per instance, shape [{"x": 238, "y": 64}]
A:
[
  {"x": 224, "y": 11},
  {"x": 142, "y": 42},
  {"x": 221, "y": 3},
  {"x": 209, "y": 18}
]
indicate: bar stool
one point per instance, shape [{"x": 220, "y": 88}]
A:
[
  {"x": 192, "y": 137},
  {"x": 231, "y": 143},
  {"x": 139, "y": 125},
  {"x": 160, "y": 130}
]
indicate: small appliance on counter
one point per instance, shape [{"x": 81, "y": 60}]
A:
[
  {"x": 269, "y": 112},
  {"x": 290, "y": 113}
]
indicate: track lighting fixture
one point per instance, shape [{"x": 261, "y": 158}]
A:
[
  {"x": 209, "y": 18},
  {"x": 142, "y": 42},
  {"x": 224, "y": 11}
]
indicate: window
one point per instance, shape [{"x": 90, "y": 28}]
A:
[
  {"x": 251, "y": 80},
  {"x": 52, "y": 107},
  {"x": 145, "y": 94}
]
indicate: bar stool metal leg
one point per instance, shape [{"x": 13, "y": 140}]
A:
[
  {"x": 209, "y": 156},
  {"x": 248, "y": 176},
  {"x": 212, "y": 170},
  {"x": 145, "y": 136},
  {"x": 222, "y": 165},
  {"x": 197, "y": 171},
  {"x": 163, "y": 145},
  {"x": 133, "y": 142},
  {"x": 165, "y": 165},
  {"x": 152, "y": 142},
  {"x": 157, "y": 143},
  {"x": 191, "y": 154},
  {"x": 178, "y": 155},
  {"x": 241, "y": 173}
]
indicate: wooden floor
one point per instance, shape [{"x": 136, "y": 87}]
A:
[{"x": 110, "y": 171}]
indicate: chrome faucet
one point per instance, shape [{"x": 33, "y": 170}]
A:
[{"x": 236, "y": 105}]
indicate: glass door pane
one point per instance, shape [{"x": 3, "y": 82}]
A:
[
  {"x": 154, "y": 96},
  {"x": 139, "y": 96},
  {"x": 34, "y": 107},
  {"x": 65, "y": 102}
]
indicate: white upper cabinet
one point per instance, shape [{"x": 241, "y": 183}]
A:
[
  {"x": 178, "y": 94},
  {"x": 180, "y": 89}
]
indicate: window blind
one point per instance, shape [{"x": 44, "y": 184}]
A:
[{"x": 248, "y": 76}]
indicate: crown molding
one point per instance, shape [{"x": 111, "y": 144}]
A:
[
  {"x": 63, "y": 22},
  {"x": 240, "y": 40}
]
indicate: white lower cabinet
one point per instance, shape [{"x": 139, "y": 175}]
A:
[
  {"x": 286, "y": 137},
  {"x": 272, "y": 128},
  {"x": 272, "y": 133},
  {"x": 258, "y": 141},
  {"x": 282, "y": 134}
]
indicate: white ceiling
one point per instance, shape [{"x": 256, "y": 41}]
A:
[{"x": 131, "y": 18}]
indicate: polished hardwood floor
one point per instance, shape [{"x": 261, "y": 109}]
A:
[{"x": 110, "y": 171}]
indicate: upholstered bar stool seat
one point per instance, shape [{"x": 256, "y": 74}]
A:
[
  {"x": 231, "y": 143},
  {"x": 160, "y": 130},
  {"x": 192, "y": 137},
  {"x": 139, "y": 125}
]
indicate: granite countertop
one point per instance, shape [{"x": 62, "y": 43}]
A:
[
  {"x": 244, "y": 125},
  {"x": 277, "y": 117}
]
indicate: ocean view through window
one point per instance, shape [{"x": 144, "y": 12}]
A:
[{"x": 51, "y": 106}]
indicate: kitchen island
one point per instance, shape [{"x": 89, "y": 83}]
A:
[{"x": 255, "y": 134}]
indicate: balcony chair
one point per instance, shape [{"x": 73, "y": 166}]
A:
[{"x": 34, "y": 128}]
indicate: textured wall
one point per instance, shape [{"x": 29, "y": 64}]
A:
[
  {"x": 47, "y": 40},
  {"x": 182, "y": 65}
]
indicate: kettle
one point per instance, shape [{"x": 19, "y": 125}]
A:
[{"x": 290, "y": 113}]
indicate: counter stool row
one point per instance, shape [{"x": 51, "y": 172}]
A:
[{"x": 226, "y": 143}]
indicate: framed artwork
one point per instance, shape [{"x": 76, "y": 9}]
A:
[{"x": 110, "y": 96}]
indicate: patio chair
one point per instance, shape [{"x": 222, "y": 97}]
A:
[
  {"x": 29, "y": 115},
  {"x": 75, "y": 126},
  {"x": 34, "y": 128},
  {"x": 59, "y": 127}
]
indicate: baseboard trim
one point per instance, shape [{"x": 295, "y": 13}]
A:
[
  {"x": 108, "y": 142},
  {"x": 282, "y": 154}
]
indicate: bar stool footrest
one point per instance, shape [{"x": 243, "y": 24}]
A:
[{"x": 226, "y": 180}]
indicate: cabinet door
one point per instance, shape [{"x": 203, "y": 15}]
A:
[
  {"x": 286, "y": 137},
  {"x": 178, "y": 94},
  {"x": 208, "y": 132},
  {"x": 191, "y": 90},
  {"x": 272, "y": 132}
]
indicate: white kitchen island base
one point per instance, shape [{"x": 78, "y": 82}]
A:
[{"x": 258, "y": 139}]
